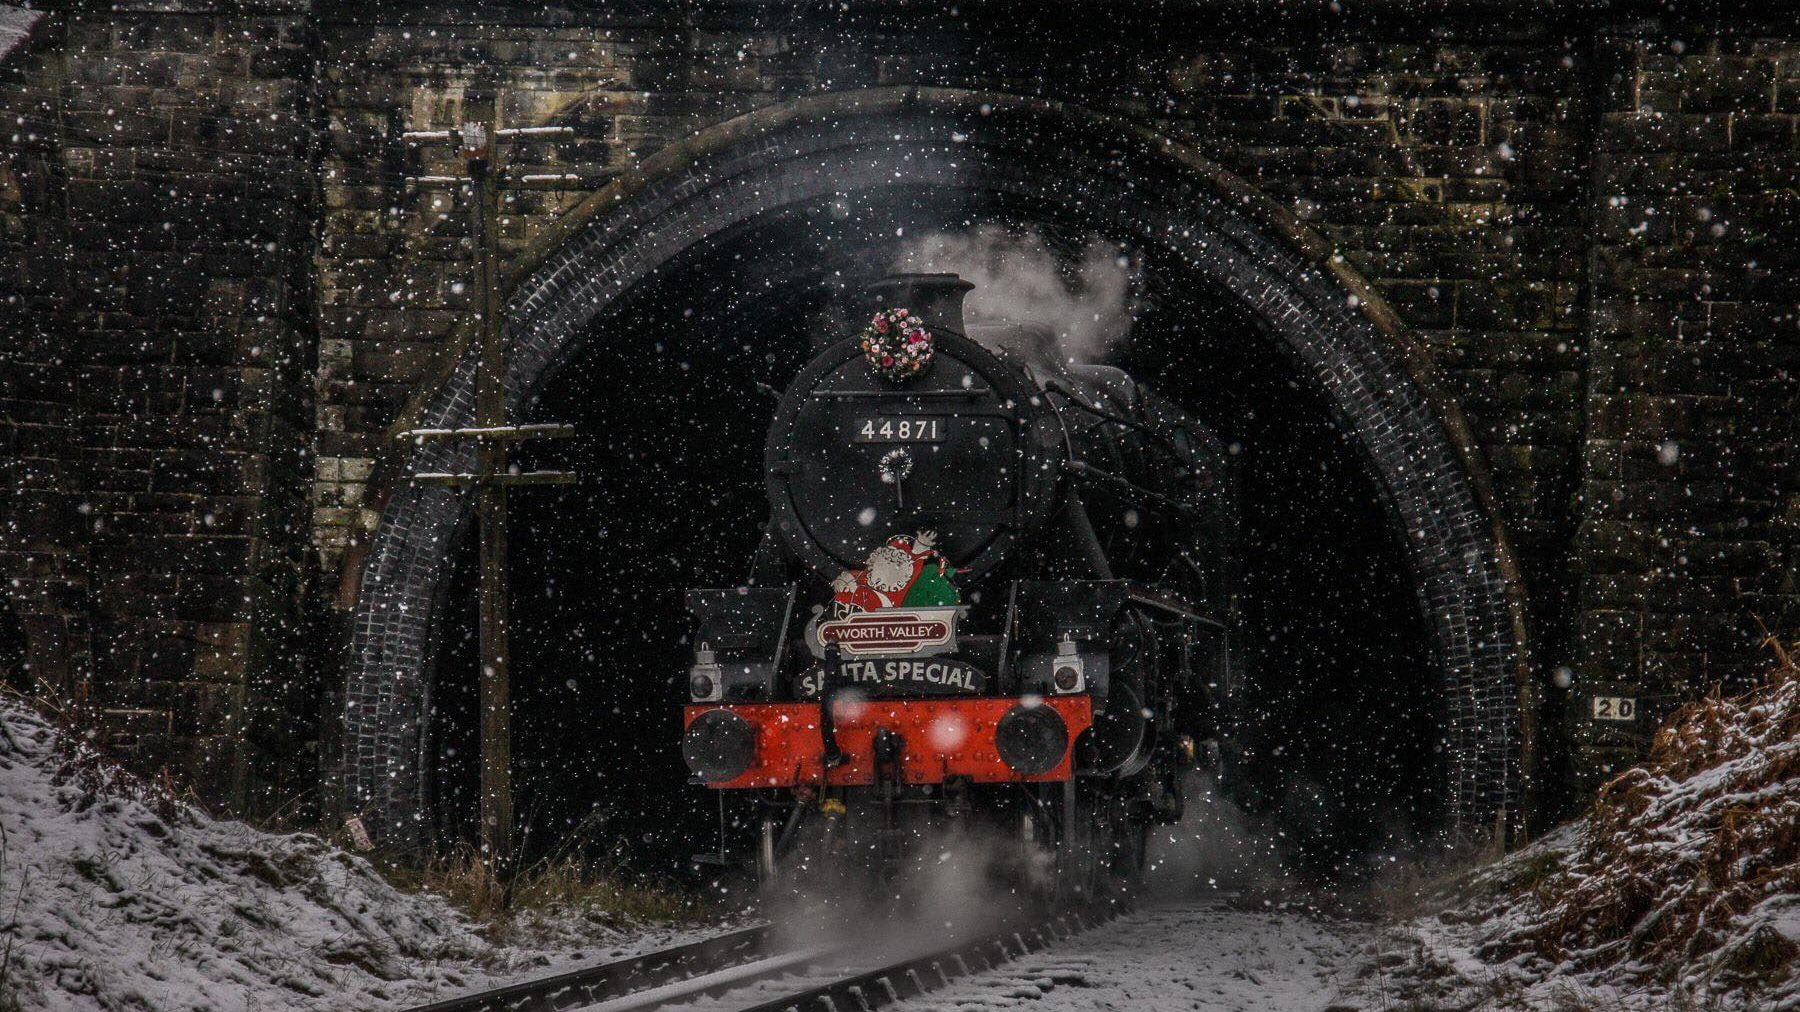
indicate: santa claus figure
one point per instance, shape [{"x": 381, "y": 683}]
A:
[{"x": 905, "y": 572}]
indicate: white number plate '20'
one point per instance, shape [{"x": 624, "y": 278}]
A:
[
  {"x": 1615, "y": 708},
  {"x": 899, "y": 430}
]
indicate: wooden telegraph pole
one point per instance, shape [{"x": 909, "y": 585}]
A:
[{"x": 479, "y": 147}]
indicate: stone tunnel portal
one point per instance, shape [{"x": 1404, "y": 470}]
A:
[{"x": 1376, "y": 584}]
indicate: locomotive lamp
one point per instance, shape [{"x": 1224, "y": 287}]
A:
[
  {"x": 719, "y": 746},
  {"x": 706, "y": 679},
  {"x": 1068, "y": 671},
  {"x": 1031, "y": 737}
]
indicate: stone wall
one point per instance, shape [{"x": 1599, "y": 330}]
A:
[
  {"x": 222, "y": 268},
  {"x": 42, "y": 546},
  {"x": 1690, "y": 495},
  {"x": 164, "y": 230}
]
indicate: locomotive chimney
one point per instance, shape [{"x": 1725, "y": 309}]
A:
[{"x": 936, "y": 298}]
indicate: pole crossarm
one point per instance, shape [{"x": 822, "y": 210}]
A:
[
  {"x": 540, "y": 430},
  {"x": 507, "y": 478},
  {"x": 455, "y": 135},
  {"x": 539, "y": 131}
]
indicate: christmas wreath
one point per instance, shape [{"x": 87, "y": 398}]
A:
[{"x": 897, "y": 345}]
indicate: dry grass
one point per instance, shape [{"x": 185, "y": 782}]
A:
[
  {"x": 1428, "y": 884},
  {"x": 598, "y": 891},
  {"x": 83, "y": 763},
  {"x": 582, "y": 875}
]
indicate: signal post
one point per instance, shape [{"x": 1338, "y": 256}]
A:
[{"x": 480, "y": 148}]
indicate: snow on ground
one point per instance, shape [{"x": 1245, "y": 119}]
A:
[
  {"x": 114, "y": 898},
  {"x": 1199, "y": 956}
]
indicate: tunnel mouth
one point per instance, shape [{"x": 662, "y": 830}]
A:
[
  {"x": 671, "y": 397},
  {"x": 1028, "y": 160}
]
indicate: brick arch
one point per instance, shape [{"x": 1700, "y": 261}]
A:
[{"x": 1071, "y": 165}]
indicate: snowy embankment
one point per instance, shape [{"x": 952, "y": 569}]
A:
[
  {"x": 113, "y": 897},
  {"x": 1679, "y": 889}
]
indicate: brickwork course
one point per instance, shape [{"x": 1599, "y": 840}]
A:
[{"x": 219, "y": 299}]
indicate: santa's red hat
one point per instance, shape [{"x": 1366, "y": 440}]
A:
[{"x": 915, "y": 545}]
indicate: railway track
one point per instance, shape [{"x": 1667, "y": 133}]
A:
[
  {"x": 745, "y": 972},
  {"x": 574, "y": 989},
  {"x": 869, "y": 987}
]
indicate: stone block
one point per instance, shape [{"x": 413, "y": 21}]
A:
[
  {"x": 1727, "y": 83},
  {"x": 1766, "y": 131},
  {"x": 1607, "y": 643}
]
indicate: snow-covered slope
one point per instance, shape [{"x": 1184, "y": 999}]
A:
[
  {"x": 112, "y": 897},
  {"x": 1681, "y": 884}
]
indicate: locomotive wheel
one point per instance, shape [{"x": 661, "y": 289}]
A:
[
  {"x": 768, "y": 868},
  {"x": 1101, "y": 852},
  {"x": 1127, "y": 843},
  {"x": 1113, "y": 862},
  {"x": 1130, "y": 846},
  {"x": 1074, "y": 881}
]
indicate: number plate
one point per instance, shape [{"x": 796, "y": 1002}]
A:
[
  {"x": 1614, "y": 708},
  {"x": 894, "y": 429}
]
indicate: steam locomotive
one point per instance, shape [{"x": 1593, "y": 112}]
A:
[{"x": 994, "y": 597}]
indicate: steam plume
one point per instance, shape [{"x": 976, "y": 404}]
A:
[{"x": 1086, "y": 299}]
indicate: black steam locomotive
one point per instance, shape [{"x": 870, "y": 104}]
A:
[{"x": 994, "y": 597}]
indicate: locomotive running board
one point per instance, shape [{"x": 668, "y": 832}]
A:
[{"x": 1166, "y": 602}]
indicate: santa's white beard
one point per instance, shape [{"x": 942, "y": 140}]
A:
[{"x": 889, "y": 569}]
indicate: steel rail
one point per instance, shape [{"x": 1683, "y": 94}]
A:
[
  {"x": 590, "y": 985},
  {"x": 862, "y": 990}
]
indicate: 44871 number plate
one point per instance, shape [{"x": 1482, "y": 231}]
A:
[{"x": 899, "y": 429}]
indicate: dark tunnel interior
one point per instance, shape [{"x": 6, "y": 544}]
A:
[{"x": 1339, "y": 726}]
